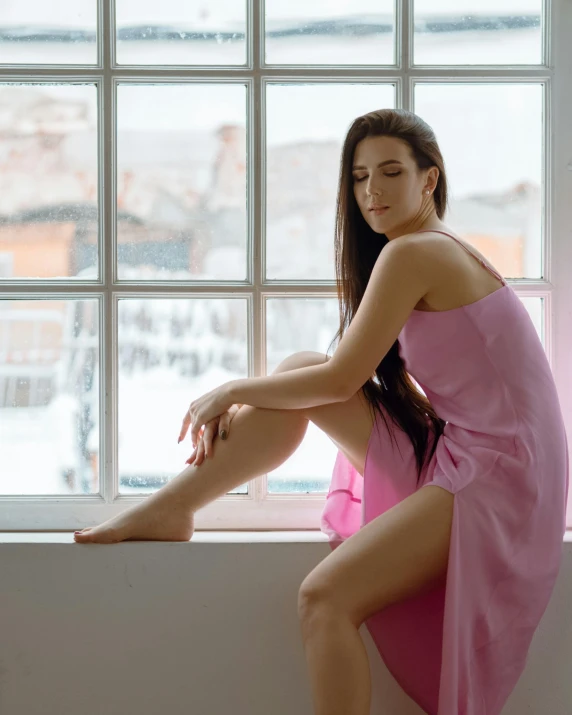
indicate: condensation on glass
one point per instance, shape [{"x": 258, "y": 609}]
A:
[
  {"x": 181, "y": 181},
  {"x": 172, "y": 32},
  {"x": 49, "y": 224},
  {"x": 477, "y": 32},
  {"x": 170, "y": 352},
  {"x": 48, "y": 33},
  {"x": 319, "y": 32},
  {"x": 49, "y": 396}
]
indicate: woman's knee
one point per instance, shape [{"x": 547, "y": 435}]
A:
[{"x": 304, "y": 358}]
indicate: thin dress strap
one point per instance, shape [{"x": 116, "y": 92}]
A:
[{"x": 485, "y": 265}]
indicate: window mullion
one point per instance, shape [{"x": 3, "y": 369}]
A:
[
  {"x": 108, "y": 382},
  {"x": 256, "y": 191}
]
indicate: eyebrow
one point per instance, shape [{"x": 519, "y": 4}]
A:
[{"x": 383, "y": 163}]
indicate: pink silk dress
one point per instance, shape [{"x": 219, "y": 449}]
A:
[{"x": 460, "y": 648}]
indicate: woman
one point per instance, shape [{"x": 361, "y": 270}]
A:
[{"x": 446, "y": 511}]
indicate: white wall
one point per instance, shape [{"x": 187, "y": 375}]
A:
[{"x": 208, "y": 627}]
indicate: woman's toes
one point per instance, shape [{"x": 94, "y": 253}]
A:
[
  {"x": 98, "y": 535},
  {"x": 84, "y": 534}
]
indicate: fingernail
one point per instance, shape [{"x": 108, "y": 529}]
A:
[
  {"x": 178, "y": 440},
  {"x": 223, "y": 434}
]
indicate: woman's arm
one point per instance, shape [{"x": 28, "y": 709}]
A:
[{"x": 291, "y": 390}]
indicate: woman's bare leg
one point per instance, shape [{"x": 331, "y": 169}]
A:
[{"x": 259, "y": 441}]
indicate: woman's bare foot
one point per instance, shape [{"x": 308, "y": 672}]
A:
[{"x": 161, "y": 517}]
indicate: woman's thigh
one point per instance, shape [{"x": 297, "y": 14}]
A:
[{"x": 348, "y": 424}]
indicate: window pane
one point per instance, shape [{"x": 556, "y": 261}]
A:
[
  {"x": 295, "y": 324},
  {"x": 49, "y": 397},
  {"x": 181, "y": 182},
  {"x": 171, "y": 32},
  {"x": 535, "y": 308},
  {"x": 303, "y": 150},
  {"x": 50, "y": 33},
  {"x": 491, "y": 138},
  {"x": 170, "y": 352},
  {"x": 478, "y": 32},
  {"x": 48, "y": 181},
  {"x": 320, "y": 32}
]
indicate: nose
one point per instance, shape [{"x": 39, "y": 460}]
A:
[
  {"x": 372, "y": 189},
  {"x": 374, "y": 194}
]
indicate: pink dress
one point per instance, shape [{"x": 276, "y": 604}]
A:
[{"x": 461, "y": 648}]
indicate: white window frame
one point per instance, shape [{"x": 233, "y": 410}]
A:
[{"x": 259, "y": 510}]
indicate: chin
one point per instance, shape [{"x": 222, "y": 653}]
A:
[{"x": 380, "y": 231}]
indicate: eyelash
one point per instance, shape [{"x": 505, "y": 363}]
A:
[{"x": 392, "y": 175}]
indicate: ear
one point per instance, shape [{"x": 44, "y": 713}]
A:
[{"x": 432, "y": 178}]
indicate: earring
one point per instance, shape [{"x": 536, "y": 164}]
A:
[{"x": 427, "y": 192}]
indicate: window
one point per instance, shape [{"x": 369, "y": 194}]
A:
[{"x": 169, "y": 173}]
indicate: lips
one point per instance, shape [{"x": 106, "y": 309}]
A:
[{"x": 377, "y": 208}]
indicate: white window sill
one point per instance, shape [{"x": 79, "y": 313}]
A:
[
  {"x": 218, "y": 537},
  {"x": 208, "y": 537}
]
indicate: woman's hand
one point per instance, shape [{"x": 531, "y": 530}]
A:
[
  {"x": 204, "y": 409},
  {"x": 220, "y": 426}
]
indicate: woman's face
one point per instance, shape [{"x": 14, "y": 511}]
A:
[{"x": 385, "y": 174}]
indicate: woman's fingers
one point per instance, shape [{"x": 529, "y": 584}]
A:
[
  {"x": 193, "y": 456},
  {"x": 223, "y": 425},
  {"x": 210, "y": 432},
  {"x": 226, "y": 419},
  {"x": 201, "y": 451}
]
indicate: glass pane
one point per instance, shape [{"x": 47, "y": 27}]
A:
[
  {"x": 48, "y": 181},
  {"x": 171, "y": 32},
  {"x": 295, "y": 324},
  {"x": 181, "y": 182},
  {"x": 491, "y": 138},
  {"x": 320, "y": 32},
  {"x": 170, "y": 352},
  {"x": 478, "y": 32},
  {"x": 535, "y": 308},
  {"x": 49, "y": 397},
  {"x": 303, "y": 150},
  {"x": 49, "y": 33}
]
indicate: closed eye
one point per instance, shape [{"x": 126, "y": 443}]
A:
[{"x": 363, "y": 177}]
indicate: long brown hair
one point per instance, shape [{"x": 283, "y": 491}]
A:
[{"x": 357, "y": 247}]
